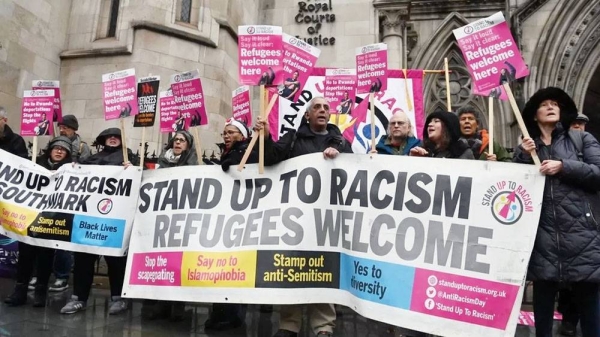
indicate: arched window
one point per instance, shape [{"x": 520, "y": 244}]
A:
[
  {"x": 107, "y": 23},
  {"x": 187, "y": 11}
]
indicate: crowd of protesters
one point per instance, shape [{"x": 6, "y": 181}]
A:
[{"x": 566, "y": 254}]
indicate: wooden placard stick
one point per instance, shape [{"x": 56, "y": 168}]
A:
[
  {"x": 142, "y": 148},
  {"x": 255, "y": 137},
  {"x": 517, "y": 112},
  {"x": 124, "y": 141},
  {"x": 261, "y": 140},
  {"x": 491, "y": 124},
  {"x": 372, "y": 108},
  {"x": 447, "y": 73},
  {"x": 198, "y": 146},
  {"x": 34, "y": 150}
]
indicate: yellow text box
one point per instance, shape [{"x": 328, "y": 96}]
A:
[
  {"x": 16, "y": 219},
  {"x": 219, "y": 270}
]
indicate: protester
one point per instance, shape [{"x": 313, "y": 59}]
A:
[
  {"x": 566, "y": 251},
  {"x": 63, "y": 260},
  {"x": 314, "y": 135},
  {"x": 180, "y": 151},
  {"x": 580, "y": 122},
  {"x": 567, "y": 305},
  {"x": 57, "y": 153},
  {"x": 400, "y": 138},
  {"x": 441, "y": 138},
  {"x": 68, "y": 126},
  {"x": 83, "y": 274},
  {"x": 235, "y": 142},
  {"x": 10, "y": 141},
  {"x": 478, "y": 139}
]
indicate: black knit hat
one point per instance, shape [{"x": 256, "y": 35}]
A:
[
  {"x": 568, "y": 109},
  {"x": 69, "y": 121},
  {"x": 450, "y": 121},
  {"x": 61, "y": 141},
  {"x": 101, "y": 139}
]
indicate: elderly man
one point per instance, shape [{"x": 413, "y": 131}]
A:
[
  {"x": 579, "y": 123},
  {"x": 314, "y": 134},
  {"x": 9, "y": 141},
  {"x": 400, "y": 138},
  {"x": 68, "y": 126},
  {"x": 477, "y": 139}
]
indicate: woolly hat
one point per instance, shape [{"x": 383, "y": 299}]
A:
[
  {"x": 101, "y": 139},
  {"x": 239, "y": 125},
  {"x": 568, "y": 109},
  {"x": 61, "y": 141},
  {"x": 70, "y": 121},
  {"x": 450, "y": 121},
  {"x": 188, "y": 137}
]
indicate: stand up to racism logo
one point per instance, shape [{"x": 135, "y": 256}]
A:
[{"x": 507, "y": 201}]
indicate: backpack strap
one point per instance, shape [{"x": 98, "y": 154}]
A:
[{"x": 577, "y": 139}]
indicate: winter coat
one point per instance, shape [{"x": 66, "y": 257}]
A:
[
  {"x": 458, "y": 150},
  {"x": 79, "y": 149},
  {"x": 13, "y": 143},
  {"x": 109, "y": 156},
  {"x": 385, "y": 147},
  {"x": 44, "y": 160},
  {"x": 567, "y": 245},
  {"x": 234, "y": 155},
  {"x": 499, "y": 151},
  {"x": 188, "y": 157},
  {"x": 304, "y": 141}
]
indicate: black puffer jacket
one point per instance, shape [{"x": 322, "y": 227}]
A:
[
  {"x": 13, "y": 143},
  {"x": 304, "y": 141},
  {"x": 567, "y": 245}
]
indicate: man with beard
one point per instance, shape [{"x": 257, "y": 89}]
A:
[
  {"x": 10, "y": 141},
  {"x": 478, "y": 140}
]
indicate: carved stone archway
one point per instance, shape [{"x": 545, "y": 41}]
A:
[
  {"x": 442, "y": 45},
  {"x": 568, "y": 50}
]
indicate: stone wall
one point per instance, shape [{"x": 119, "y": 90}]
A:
[
  {"x": 32, "y": 34},
  {"x": 151, "y": 41}
]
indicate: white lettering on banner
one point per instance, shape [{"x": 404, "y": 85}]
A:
[
  {"x": 427, "y": 241},
  {"x": 82, "y": 208}
]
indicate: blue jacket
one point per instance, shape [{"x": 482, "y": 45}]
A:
[{"x": 383, "y": 148}]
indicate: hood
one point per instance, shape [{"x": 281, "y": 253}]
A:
[
  {"x": 450, "y": 121},
  {"x": 568, "y": 109}
]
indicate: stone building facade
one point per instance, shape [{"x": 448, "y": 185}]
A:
[{"x": 78, "y": 41}]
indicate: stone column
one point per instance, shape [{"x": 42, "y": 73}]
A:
[{"x": 392, "y": 24}]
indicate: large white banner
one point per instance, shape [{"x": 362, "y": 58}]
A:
[
  {"x": 85, "y": 208},
  {"x": 435, "y": 245}
]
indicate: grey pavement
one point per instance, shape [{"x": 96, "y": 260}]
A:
[{"x": 95, "y": 321}]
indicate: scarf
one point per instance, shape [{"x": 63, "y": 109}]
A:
[{"x": 171, "y": 157}]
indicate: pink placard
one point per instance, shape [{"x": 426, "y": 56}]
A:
[
  {"x": 463, "y": 299},
  {"x": 171, "y": 118},
  {"x": 189, "y": 97},
  {"x": 490, "y": 52},
  {"x": 299, "y": 58},
  {"x": 260, "y": 55},
  {"x": 497, "y": 92},
  {"x": 156, "y": 269},
  {"x": 51, "y": 85},
  {"x": 371, "y": 68},
  {"x": 240, "y": 104},
  {"x": 37, "y": 110},
  {"x": 340, "y": 90},
  {"x": 120, "y": 94}
]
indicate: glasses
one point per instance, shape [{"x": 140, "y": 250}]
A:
[
  {"x": 179, "y": 140},
  {"x": 229, "y": 133},
  {"x": 59, "y": 149}
]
